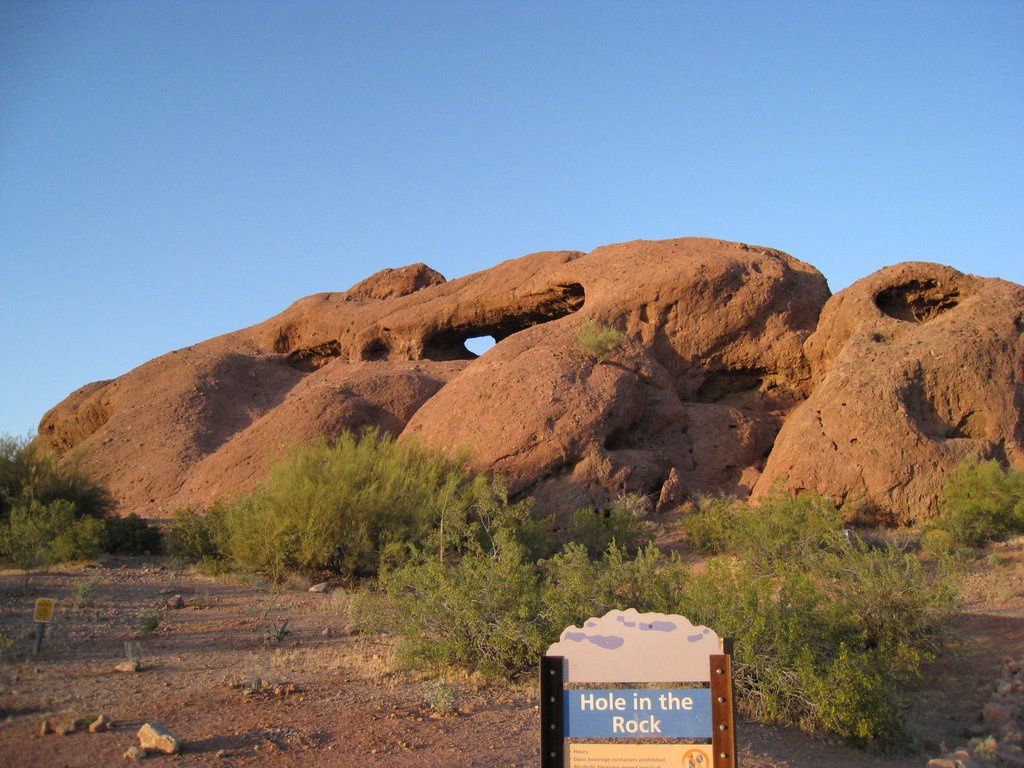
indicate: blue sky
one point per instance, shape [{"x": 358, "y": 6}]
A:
[{"x": 173, "y": 170}]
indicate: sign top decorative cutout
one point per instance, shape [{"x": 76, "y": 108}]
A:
[{"x": 627, "y": 646}]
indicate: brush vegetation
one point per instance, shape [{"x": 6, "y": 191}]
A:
[
  {"x": 52, "y": 512},
  {"x": 599, "y": 341},
  {"x": 831, "y": 626}
]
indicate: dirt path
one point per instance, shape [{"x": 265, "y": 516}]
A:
[{"x": 324, "y": 697}]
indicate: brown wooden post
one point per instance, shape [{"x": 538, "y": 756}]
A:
[{"x": 723, "y": 709}]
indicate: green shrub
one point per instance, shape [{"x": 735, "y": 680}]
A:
[
  {"x": 195, "y": 537},
  {"x": 14, "y": 472},
  {"x": 30, "y": 473},
  {"x": 439, "y": 696},
  {"x": 85, "y": 591},
  {"x": 362, "y": 502},
  {"x": 980, "y": 502},
  {"x": 784, "y": 530},
  {"x": 478, "y": 612},
  {"x": 596, "y": 530},
  {"x": 708, "y": 528},
  {"x": 37, "y": 535},
  {"x": 830, "y": 632},
  {"x": 598, "y": 341},
  {"x": 131, "y": 535},
  {"x": 935, "y": 542},
  {"x": 52, "y": 511},
  {"x": 350, "y": 501},
  {"x": 149, "y": 621},
  {"x": 576, "y": 587}
]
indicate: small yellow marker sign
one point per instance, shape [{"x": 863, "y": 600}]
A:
[{"x": 44, "y": 609}]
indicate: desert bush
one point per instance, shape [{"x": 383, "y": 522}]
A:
[
  {"x": 830, "y": 631},
  {"x": 598, "y": 341},
  {"x": 596, "y": 530},
  {"x": 36, "y": 535},
  {"x": 936, "y": 542},
  {"x": 73, "y": 509},
  {"x": 708, "y": 527},
  {"x": 198, "y": 537},
  {"x": 362, "y": 502},
  {"x": 439, "y": 696},
  {"x": 980, "y": 502},
  {"x": 478, "y": 611},
  {"x": 30, "y": 473},
  {"x": 575, "y": 586},
  {"x": 783, "y": 529},
  {"x": 131, "y": 535},
  {"x": 13, "y": 472},
  {"x": 148, "y": 621},
  {"x": 85, "y": 591}
]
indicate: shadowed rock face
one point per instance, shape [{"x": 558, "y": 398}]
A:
[{"x": 907, "y": 371}]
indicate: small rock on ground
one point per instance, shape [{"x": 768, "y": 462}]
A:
[
  {"x": 101, "y": 723},
  {"x": 154, "y": 737},
  {"x": 134, "y": 753}
]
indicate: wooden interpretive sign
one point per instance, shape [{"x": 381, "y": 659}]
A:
[{"x": 632, "y": 689}]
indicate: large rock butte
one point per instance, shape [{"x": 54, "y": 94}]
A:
[{"x": 737, "y": 372}]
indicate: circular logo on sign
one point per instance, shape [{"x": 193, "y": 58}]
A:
[{"x": 695, "y": 758}]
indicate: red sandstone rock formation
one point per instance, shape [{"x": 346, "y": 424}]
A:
[
  {"x": 718, "y": 353},
  {"x": 914, "y": 368}
]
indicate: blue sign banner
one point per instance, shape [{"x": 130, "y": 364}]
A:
[{"x": 632, "y": 713}]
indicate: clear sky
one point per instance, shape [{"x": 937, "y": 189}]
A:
[{"x": 176, "y": 169}]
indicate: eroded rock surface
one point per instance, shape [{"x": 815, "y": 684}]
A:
[
  {"x": 914, "y": 367},
  {"x": 907, "y": 371},
  {"x": 711, "y": 364}
]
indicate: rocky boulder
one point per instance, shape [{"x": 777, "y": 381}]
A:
[
  {"x": 725, "y": 381},
  {"x": 914, "y": 368},
  {"x": 710, "y": 365}
]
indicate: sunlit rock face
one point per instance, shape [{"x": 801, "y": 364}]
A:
[
  {"x": 914, "y": 367},
  {"x": 906, "y": 371}
]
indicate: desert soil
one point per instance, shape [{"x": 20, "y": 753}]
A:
[{"x": 323, "y": 696}]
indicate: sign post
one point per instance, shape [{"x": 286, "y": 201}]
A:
[
  {"x": 630, "y": 688},
  {"x": 42, "y": 616}
]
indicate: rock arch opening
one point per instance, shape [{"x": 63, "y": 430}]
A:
[
  {"x": 451, "y": 343},
  {"x": 480, "y": 344}
]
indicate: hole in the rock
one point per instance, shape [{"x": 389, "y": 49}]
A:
[
  {"x": 312, "y": 358},
  {"x": 617, "y": 440},
  {"x": 917, "y": 301},
  {"x": 376, "y": 350},
  {"x": 557, "y": 302},
  {"x": 480, "y": 344},
  {"x": 720, "y": 384}
]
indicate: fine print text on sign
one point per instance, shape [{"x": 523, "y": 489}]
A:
[
  {"x": 654, "y": 756},
  {"x": 629, "y": 689}
]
